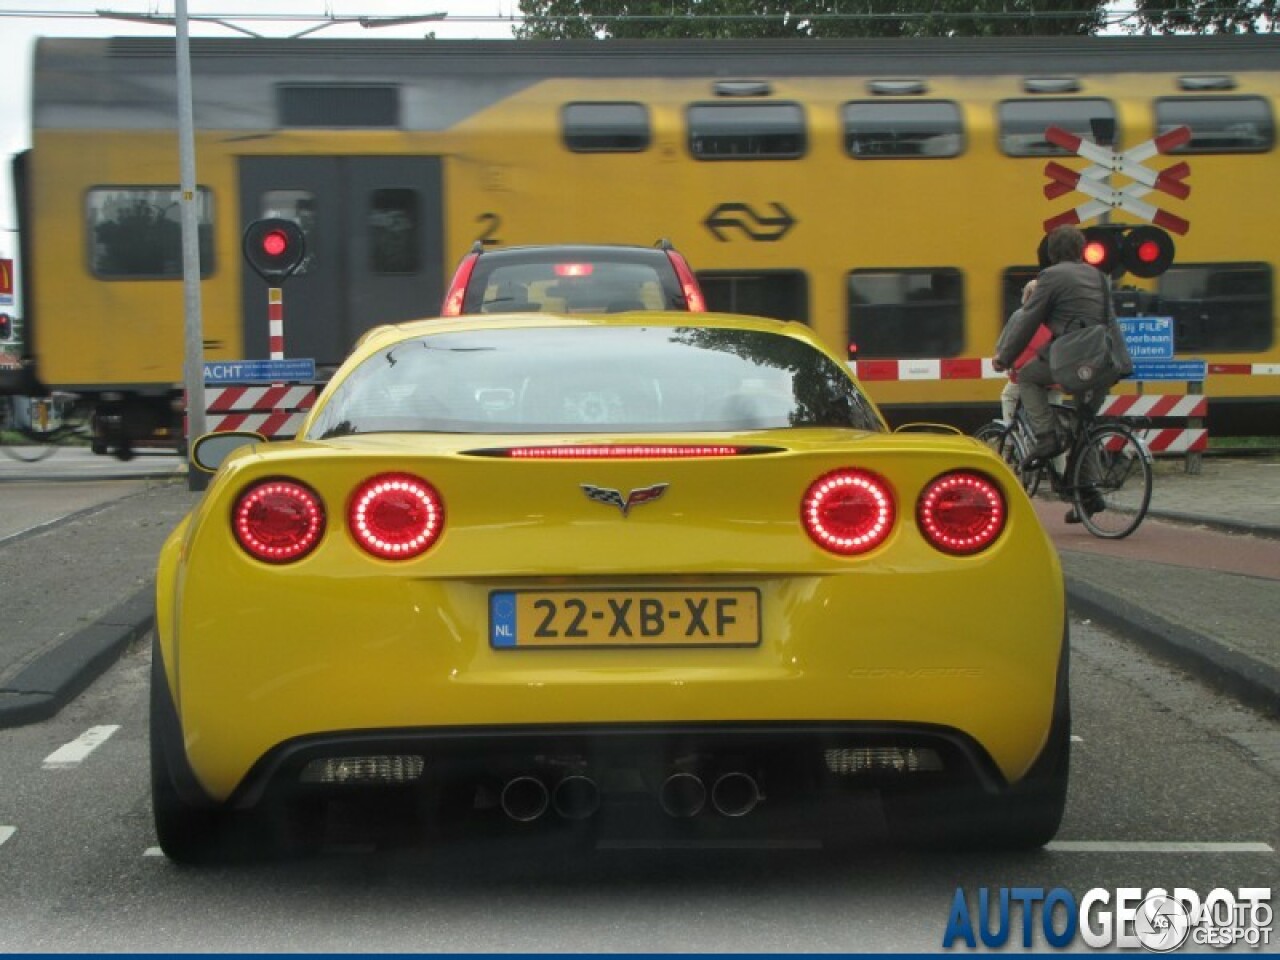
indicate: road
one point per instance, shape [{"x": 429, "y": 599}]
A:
[{"x": 1159, "y": 760}]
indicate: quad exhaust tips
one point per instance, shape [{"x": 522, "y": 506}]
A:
[{"x": 682, "y": 795}]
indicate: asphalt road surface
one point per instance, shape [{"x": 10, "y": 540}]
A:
[{"x": 1173, "y": 785}]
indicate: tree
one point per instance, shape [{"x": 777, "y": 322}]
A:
[
  {"x": 755, "y": 19},
  {"x": 1205, "y": 16}
]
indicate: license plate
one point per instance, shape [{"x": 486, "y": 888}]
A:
[{"x": 624, "y": 618}]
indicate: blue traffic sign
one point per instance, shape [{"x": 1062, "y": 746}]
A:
[
  {"x": 258, "y": 371},
  {"x": 1148, "y": 338},
  {"x": 1169, "y": 369}
]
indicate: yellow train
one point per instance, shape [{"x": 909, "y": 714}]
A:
[{"x": 889, "y": 193}]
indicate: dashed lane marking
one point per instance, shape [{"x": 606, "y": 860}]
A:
[
  {"x": 153, "y": 852},
  {"x": 6, "y": 833},
  {"x": 73, "y": 753},
  {"x": 1157, "y": 846}
]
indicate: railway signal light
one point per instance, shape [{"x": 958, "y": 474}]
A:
[
  {"x": 6, "y": 326},
  {"x": 1147, "y": 251},
  {"x": 275, "y": 248},
  {"x": 1116, "y": 248}
]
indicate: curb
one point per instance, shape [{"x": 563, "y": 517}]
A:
[
  {"x": 1220, "y": 524},
  {"x": 1238, "y": 674},
  {"x": 51, "y": 681}
]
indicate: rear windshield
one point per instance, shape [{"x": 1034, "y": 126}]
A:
[
  {"x": 598, "y": 282},
  {"x": 584, "y": 380}
]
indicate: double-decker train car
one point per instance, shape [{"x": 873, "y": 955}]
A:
[{"x": 888, "y": 193}]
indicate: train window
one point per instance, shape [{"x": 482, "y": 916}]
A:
[
  {"x": 300, "y": 207},
  {"x": 1023, "y": 123},
  {"x": 919, "y": 128},
  {"x": 746, "y": 131},
  {"x": 394, "y": 226},
  {"x": 338, "y": 105},
  {"x": 135, "y": 233},
  {"x": 779, "y": 294},
  {"x": 1219, "y": 124},
  {"x": 1219, "y": 307},
  {"x": 1014, "y": 279},
  {"x": 605, "y": 127},
  {"x": 906, "y": 313}
]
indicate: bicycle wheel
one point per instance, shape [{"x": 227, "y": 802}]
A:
[
  {"x": 30, "y": 445},
  {"x": 1112, "y": 482},
  {"x": 1007, "y": 442}
]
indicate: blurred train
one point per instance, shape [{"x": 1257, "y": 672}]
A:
[{"x": 889, "y": 193}]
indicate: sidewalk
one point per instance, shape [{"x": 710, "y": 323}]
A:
[{"x": 1199, "y": 583}]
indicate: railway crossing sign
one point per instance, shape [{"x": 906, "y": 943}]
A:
[
  {"x": 1093, "y": 180},
  {"x": 1148, "y": 338}
]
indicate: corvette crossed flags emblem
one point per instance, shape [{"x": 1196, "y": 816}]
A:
[{"x": 633, "y": 499}]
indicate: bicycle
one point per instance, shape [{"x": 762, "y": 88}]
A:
[
  {"x": 1107, "y": 476},
  {"x": 41, "y": 424}
]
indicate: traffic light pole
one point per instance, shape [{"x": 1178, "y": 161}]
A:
[{"x": 193, "y": 365}]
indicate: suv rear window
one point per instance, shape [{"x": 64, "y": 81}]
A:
[{"x": 572, "y": 281}]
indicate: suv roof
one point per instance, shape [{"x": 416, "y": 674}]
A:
[{"x": 572, "y": 278}]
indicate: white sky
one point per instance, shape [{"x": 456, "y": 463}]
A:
[{"x": 467, "y": 18}]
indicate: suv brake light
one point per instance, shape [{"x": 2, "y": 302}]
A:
[
  {"x": 693, "y": 298},
  {"x": 458, "y": 286}
]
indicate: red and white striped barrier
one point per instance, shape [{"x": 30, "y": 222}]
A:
[
  {"x": 274, "y": 411},
  {"x": 980, "y": 368},
  {"x": 1167, "y": 407}
]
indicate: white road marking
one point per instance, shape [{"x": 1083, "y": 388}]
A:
[
  {"x": 153, "y": 852},
  {"x": 70, "y": 754},
  {"x": 6, "y": 833},
  {"x": 1075, "y": 739},
  {"x": 1157, "y": 846}
]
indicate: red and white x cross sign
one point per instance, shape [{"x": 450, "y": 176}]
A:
[{"x": 1092, "y": 180}]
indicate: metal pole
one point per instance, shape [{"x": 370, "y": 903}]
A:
[{"x": 193, "y": 366}]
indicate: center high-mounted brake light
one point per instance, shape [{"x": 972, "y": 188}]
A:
[
  {"x": 574, "y": 269},
  {"x": 848, "y": 511},
  {"x": 621, "y": 452}
]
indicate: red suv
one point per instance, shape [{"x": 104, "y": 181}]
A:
[{"x": 602, "y": 278}]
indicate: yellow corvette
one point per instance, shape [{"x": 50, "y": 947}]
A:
[{"x": 637, "y": 570}]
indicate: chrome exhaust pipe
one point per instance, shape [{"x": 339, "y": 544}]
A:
[
  {"x": 735, "y": 794},
  {"x": 576, "y": 797},
  {"x": 682, "y": 795},
  {"x": 524, "y": 798}
]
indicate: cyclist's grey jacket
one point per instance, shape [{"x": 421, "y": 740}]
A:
[{"x": 1067, "y": 295}]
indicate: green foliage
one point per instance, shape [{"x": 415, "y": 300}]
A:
[
  {"x": 780, "y": 19},
  {"x": 1206, "y": 16}
]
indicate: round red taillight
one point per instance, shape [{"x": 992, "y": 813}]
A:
[
  {"x": 278, "y": 520},
  {"x": 848, "y": 511},
  {"x": 961, "y": 512},
  {"x": 396, "y": 516}
]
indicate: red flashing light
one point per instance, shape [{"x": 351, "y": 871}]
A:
[
  {"x": 278, "y": 521},
  {"x": 1095, "y": 254},
  {"x": 1148, "y": 252},
  {"x": 961, "y": 513},
  {"x": 396, "y": 516},
  {"x": 274, "y": 243},
  {"x": 574, "y": 269},
  {"x": 848, "y": 511}
]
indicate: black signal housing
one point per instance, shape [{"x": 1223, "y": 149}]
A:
[{"x": 274, "y": 248}]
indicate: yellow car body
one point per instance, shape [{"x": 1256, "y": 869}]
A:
[{"x": 260, "y": 663}]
